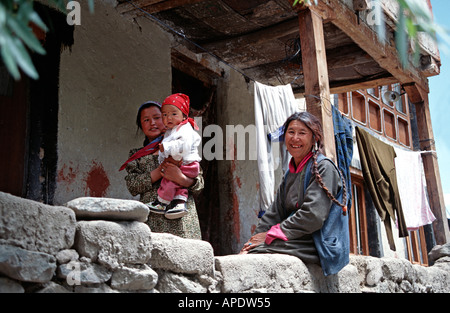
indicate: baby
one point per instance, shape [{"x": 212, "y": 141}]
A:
[{"x": 181, "y": 142}]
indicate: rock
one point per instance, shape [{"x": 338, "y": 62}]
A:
[
  {"x": 374, "y": 271},
  {"x": 177, "y": 283},
  {"x": 24, "y": 265},
  {"x": 181, "y": 255},
  {"x": 10, "y": 286},
  {"x": 438, "y": 280},
  {"x": 263, "y": 272},
  {"x": 369, "y": 270},
  {"x": 35, "y": 226},
  {"x": 52, "y": 287},
  {"x": 393, "y": 269},
  {"x": 83, "y": 273},
  {"x": 102, "y": 288},
  {"x": 91, "y": 208},
  {"x": 114, "y": 243},
  {"x": 438, "y": 252},
  {"x": 140, "y": 277},
  {"x": 65, "y": 256},
  {"x": 346, "y": 281}
]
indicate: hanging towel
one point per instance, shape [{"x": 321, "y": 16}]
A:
[
  {"x": 412, "y": 188},
  {"x": 377, "y": 163},
  {"x": 343, "y": 137},
  {"x": 273, "y": 105}
]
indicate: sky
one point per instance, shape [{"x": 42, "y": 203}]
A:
[{"x": 440, "y": 102}]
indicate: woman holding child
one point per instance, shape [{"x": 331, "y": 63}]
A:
[{"x": 145, "y": 171}]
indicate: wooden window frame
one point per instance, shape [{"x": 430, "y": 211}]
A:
[
  {"x": 416, "y": 247},
  {"x": 363, "y": 110},
  {"x": 394, "y": 124},
  {"x": 373, "y": 122}
]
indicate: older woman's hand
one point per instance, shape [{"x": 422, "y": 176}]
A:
[{"x": 254, "y": 241}]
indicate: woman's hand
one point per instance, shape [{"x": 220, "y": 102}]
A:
[
  {"x": 254, "y": 241},
  {"x": 170, "y": 170}
]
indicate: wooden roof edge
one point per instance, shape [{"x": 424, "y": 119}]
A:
[{"x": 385, "y": 55}]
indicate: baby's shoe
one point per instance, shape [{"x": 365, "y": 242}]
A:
[
  {"x": 176, "y": 209},
  {"x": 157, "y": 207}
]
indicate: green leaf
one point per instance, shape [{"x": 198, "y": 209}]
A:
[
  {"x": 22, "y": 57},
  {"x": 26, "y": 34},
  {"x": 35, "y": 18},
  {"x": 2, "y": 16},
  {"x": 91, "y": 6},
  {"x": 380, "y": 25},
  {"x": 24, "y": 11},
  {"x": 9, "y": 61},
  {"x": 401, "y": 40}
]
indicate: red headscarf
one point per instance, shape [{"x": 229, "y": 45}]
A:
[{"x": 182, "y": 102}]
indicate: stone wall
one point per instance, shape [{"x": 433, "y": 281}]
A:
[{"x": 103, "y": 245}]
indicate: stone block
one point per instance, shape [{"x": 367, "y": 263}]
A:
[
  {"x": 52, "y": 287},
  {"x": 178, "y": 283},
  {"x": 263, "y": 273},
  {"x": 35, "y": 226},
  {"x": 91, "y": 208},
  {"x": 25, "y": 265},
  {"x": 10, "y": 286},
  {"x": 140, "y": 277},
  {"x": 438, "y": 252},
  {"x": 114, "y": 243},
  {"x": 181, "y": 255},
  {"x": 84, "y": 273},
  {"x": 65, "y": 256}
]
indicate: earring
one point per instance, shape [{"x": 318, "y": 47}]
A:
[{"x": 316, "y": 147}]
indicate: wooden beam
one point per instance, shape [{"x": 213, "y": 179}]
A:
[
  {"x": 364, "y": 36},
  {"x": 127, "y": 7},
  {"x": 420, "y": 100},
  {"x": 201, "y": 66},
  {"x": 317, "y": 89},
  {"x": 361, "y": 5},
  {"x": 167, "y": 5},
  {"x": 347, "y": 86},
  {"x": 154, "y": 6},
  {"x": 258, "y": 37}
]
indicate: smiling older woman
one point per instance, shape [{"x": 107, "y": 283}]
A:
[{"x": 306, "y": 220}]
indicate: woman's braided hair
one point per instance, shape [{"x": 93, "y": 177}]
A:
[{"x": 315, "y": 126}]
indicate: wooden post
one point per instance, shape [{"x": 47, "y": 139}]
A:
[
  {"x": 315, "y": 71},
  {"x": 420, "y": 100}
]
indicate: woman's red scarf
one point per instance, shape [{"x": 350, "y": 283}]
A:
[
  {"x": 151, "y": 148},
  {"x": 302, "y": 164}
]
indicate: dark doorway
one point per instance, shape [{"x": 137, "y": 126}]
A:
[
  {"x": 13, "y": 132},
  {"x": 203, "y": 104},
  {"x": 29, "y": 117}
]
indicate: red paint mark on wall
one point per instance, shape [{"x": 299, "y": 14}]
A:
[
  {"x": 235, "y": 215},
  {"x": 238, "y": 181},
  {"x": 67, "y": 174},
  {"x": 236, "y": 218},
  {"x": 97, "y": 181}
]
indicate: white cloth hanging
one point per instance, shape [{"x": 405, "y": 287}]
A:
[
  {"x": 412, "y": 188},
  {"x": 273, "y": 105}
]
